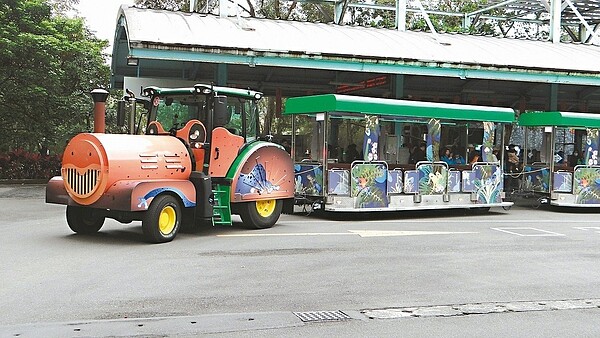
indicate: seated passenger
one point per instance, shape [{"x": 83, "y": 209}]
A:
[
  {"x": 474, "y": 157},
  {"x": 512, "y": 162},
  {"x": 351, "y": 153},
  {"x": 458, "y": 159},
  {"x": 575, "y": 159},
  {"x": 447, "y": 156},
  {"x": 418, "y": 154},
  {"x": 493, "y": 156}
]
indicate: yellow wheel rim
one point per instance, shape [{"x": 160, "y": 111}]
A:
[
  {"x": 265, "y": 208},
  {"x": 167, "y": 220}
]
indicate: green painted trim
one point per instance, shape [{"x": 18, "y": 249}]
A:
[
  {"x": 243, "y": 156},
  {"x": 559, "y": 119},
  {"x": 414, "y": 109},
  {"x": 234, "y": 92},
  {"x": 373, "y": 66}
]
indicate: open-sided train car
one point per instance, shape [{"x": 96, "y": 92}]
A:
[
  {"x": 560, "y": 162},
  {"x": 356, "y": 153}
]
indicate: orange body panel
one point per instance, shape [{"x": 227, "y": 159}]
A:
[
  {"x": 266, "y": 173},
  {"x": 155, "y": 125},
  {"x": 92, "y": 163},
  {"x": 224, "y": 149},
  {"x": 194, "y": 135}
]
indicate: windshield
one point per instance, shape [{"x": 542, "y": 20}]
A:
[{"x": 173, "y": 112}]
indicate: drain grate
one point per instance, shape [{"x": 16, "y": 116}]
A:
[{"x": 322, "y": 316}]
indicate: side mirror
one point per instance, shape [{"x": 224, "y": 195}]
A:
[
  {"x": 221, "y": 115},
  {"x": 121, "y": 113}
]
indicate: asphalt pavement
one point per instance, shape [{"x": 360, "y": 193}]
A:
[{"x": 523, "y": 272}]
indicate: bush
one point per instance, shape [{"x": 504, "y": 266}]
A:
[{"x": 20, "y": 164}]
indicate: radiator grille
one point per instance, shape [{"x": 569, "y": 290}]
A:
[{"x": 84, "y": 184}]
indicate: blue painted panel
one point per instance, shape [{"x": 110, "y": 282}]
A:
[
  {"x": 411, "y": 181},
  {"x": 395, "y": 181},
  {"x": 338, "y": 182},
  {"x": 454, "y": 181}
]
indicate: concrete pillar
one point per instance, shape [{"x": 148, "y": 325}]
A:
[
  {"x": 398, "y": 85},
  {"x": 553, "y": 97},
  {"x": 221, "y": 75}
]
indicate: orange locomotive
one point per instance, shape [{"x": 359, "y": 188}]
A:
[{"x": 175, "y": 169}]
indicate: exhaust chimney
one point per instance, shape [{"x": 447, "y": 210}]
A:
[{"x": 99, "y": 95}]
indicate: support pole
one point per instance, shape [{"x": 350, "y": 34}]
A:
[
  {"x": 555, "y": 11},
  {"x": 401, "y": 15}
]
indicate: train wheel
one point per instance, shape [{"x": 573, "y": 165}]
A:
[
  {"x": 261, "y": 214},
  {"x": 84, "y": 220},
  {"x": 162, "y": 220}
]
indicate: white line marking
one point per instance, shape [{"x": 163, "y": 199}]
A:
[
  {"x": 445, "y": 220},
  {"x": 377, "y": 233},
  {"x": 287, "y": 234},
  {"x": 596, "y": 229},
  {"x": 361, "y": 233},
  {"x": 544, "y": 232}
]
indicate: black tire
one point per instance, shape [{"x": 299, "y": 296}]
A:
[
  {"x": 260, "y": 214},
  {"x": 162, "y": 221},
  {"x": 84, "y": 220}
]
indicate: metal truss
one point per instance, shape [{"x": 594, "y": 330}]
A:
[{"x": 579, "y": 19}]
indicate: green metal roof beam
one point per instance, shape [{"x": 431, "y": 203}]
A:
[
  {"x": 384, "y": 67},
  {"x": 376, "y": 106},
  {"x": 559, "y": 119}
]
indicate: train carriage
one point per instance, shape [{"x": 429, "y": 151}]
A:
[
  {"x": 356, "y": 154},
  {"x": 560, "y": 161}
]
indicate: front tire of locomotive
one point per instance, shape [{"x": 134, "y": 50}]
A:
[
  {"x": 162, "y": 220},
  {"x": 261, "y": 214},
  {"x": 84, "y": 220}
]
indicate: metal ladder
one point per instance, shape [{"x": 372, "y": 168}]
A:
[{"x": 222, "y": 205}]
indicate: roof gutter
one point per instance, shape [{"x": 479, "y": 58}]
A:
[{"x": 357, "y": 64}]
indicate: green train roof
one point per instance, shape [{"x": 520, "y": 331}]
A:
[
  {"x": 200, "y": 88},
  {"x": 390, "y": 107},
  {"x": 559, "y": 119}
]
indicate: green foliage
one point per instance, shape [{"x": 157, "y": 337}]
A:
[
  {"x": 372, "y": 17},
  {"x": 172, "y": 5},
  {"x": 447, "y": 23},
  {"x": 48, "y": 65}
]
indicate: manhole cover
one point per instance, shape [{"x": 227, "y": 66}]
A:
[{"x": 322, "y": 316}]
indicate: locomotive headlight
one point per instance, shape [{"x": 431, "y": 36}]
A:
[{"x": 202, "y": 90}]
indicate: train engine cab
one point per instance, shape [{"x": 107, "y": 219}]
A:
[{"x": 192, "y": 155}]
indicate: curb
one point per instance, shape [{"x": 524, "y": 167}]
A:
[{"x": 23, "y": 181}]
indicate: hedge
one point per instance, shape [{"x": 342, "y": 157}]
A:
[{"x": 20, "y": 164}]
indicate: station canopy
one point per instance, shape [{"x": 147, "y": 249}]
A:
[{"x": 292, "y": 58}]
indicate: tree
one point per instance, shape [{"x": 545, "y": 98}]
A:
[{"x": 48, "y": 65}]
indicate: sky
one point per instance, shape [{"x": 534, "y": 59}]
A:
[{"x": 101, "y": 16}]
